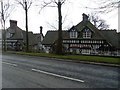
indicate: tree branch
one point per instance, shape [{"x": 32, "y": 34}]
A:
[
  {"x": 53, "y": 26},
  {"x": 29, "y": 5},
  {"x": 98, "y": 22},
  {"x": 63, "y": 1},
  {"x": 106, "y": 6},
  {"x": 21, "y": 3}
]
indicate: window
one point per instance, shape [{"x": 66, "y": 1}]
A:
[
  {"x": 87, "y": 33},
  {"x": 95, "y": 41},
  {"x": 73, "y": 34},
  {"x": 86, "y": 51},
  {"x": 102, "y": 41},
  {"x": 64, "y": 41},
  {"x": 9, "y": 35}
]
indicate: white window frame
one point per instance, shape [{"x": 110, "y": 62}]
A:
[
  {"x": 73, "y": 34},
  {"x": 87, "y": 33}
]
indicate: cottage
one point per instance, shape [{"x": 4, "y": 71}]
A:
[
  {"x": 16, "y": 38},
  {"x": 39, "y": 37},
  {"x": 50, "y": 39},
  {"x": 85, "y": 38}
]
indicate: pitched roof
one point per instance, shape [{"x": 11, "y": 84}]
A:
[
  {"x": 111, "y": 36},
  {"x": 31, "y": 38},
  {"x": 16, "y": 31},
  {"x": 19, "y": 34},
  {"x": 83, "y": 24},
  {"x": 51, "y": 37}
]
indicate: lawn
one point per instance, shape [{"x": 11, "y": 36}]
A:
[{"x": 100, "y": 59}]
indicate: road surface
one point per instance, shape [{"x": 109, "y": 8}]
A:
[{"x": 20, "y": 71}]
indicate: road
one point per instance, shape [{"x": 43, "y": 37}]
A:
[{"x": 20, "y": 71}]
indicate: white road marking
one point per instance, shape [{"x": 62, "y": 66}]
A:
[
  {"x": 15, "y": 65},
  {"x": 65, "y": 77}
]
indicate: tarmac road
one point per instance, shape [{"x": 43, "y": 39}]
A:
[{"x": 20, "y": 71}]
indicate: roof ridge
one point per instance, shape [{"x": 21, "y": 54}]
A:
[{"x": 107, "y": 30}]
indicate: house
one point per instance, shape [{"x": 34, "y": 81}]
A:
[
  {"x": 16, "y": 38},
  {"x": 39, "y": 37},
  {"x": 50, "y": 40},
  {"x": 85, "y": 38}
]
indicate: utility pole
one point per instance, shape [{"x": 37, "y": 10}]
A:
[
  {"x": 26, "y": 19},
  {"x": 59, "y": 41}
]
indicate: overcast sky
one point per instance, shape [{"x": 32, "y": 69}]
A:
[{"x": 71, "y": 11}]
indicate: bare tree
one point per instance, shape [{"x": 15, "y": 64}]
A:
[
  {"x": 26, "y": 4},
  {"x": 105, "y": 6},
  {"x": 109, "y": 5},
  {"x": 6, "y": 9},
  {"x": 98, "y": 22},
  {"x": 58, "y": 4},
  {"x": 53, "y": 25}
]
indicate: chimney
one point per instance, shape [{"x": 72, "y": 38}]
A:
[
  {"x": 85, "y": 17},
  {"x": 41, "y": 28},
  {"x": 13, "y": 23}
]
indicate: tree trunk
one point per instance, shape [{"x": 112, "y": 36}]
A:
[
  {"x": 4, "y": 37},
  {"x": 27, "y": 41},
  {"x": 4, "y": 31},
  {"x": 59, "y": 40}
]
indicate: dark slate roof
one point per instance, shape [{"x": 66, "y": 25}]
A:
[
  {"x": 51, "y": 37},
  {"x": 19, "y": 34},
  {"x": 112, "y": 37},
  {"x": 31, "y": 38},
  {"x": 38, "y": 35},
  {"x": 83, "y": 24},
  {"x": 16, "y": 31}
]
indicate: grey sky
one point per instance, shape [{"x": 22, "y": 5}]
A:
[{"x": 72, "y": 10}]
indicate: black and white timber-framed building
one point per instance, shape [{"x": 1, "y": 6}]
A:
[{"x": 85, "y": 38}]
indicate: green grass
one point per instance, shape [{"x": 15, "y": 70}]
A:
[{"x": 110, "y": 60}]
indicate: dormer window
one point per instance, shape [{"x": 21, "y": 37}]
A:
[
  {"x": 87, "y": 33},
  {"x": 73, "y": 34}
]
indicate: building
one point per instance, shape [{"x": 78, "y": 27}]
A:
[
  {"x": 16, "y": 38},
  {"x": 85, "y": 38},
  {"x": 39, "y": 37},
  {"x": 50, "y": 40}
]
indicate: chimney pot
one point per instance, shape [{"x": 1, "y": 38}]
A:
[
  {"x": 41, "y": 29},
  {"x": 85, "y": 17},
  {"x": 13, "y": 23}
]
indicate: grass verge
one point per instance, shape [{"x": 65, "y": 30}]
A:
[{"x": 98, "y": 59}]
